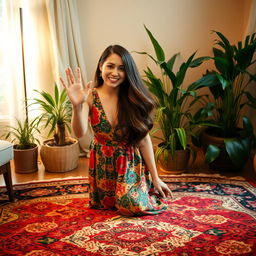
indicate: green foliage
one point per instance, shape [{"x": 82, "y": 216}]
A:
[
  {"x": 24, "y": 134},
  {"x": 173, "y": 114},
  {"x": 56, "y": 113},
  {"x": 228, "y": 85}
]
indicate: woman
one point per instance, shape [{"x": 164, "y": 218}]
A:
[{"x": 121, "y": 154}]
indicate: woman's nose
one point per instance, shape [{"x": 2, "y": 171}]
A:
[{"x": 115, "y": 71}]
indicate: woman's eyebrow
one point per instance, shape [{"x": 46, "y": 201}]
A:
[{"x": 111, "y": 63}]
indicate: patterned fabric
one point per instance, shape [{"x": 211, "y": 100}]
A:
[{"x": 118, "y": 176}]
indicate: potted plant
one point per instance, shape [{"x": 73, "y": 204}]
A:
[
  {"x": 173, "y": 110},
  {"x": 252, "y": 104},
  {"x": 229, "y": 143},
  {"x": 25, "y": 145},
  {"x": 60, "y": 153}
]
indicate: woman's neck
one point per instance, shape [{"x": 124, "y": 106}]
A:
[{"x": 107, "y": 90}]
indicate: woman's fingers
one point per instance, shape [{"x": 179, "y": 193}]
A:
[
  {"x": 88, "y": 88},
  {"x": 63, "y": 83},
  {"x": 71, "y": 75},
  {"x": 72, "y": 81},
  {"x": 171, "y": 195},
  {"x": 68, "y": 76},
  {"x": 71, "y": 78},
  {"x": 161, "y": 192},
  {"x": 89, "y": 85},
  {"x": 168, "y": 190},
  {"x": 78, "y": 73}
]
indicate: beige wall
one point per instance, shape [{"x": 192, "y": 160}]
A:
[{"x": 179, "y": 25}]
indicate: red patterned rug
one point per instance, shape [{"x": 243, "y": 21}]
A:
[{"x": 209, "y": 216}]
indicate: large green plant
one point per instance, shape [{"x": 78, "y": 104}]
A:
[
  {"x": 56, "y": 113},
  {"x": 23, "y": 135},
  {"x": 174, "y": 102},
  {"x": 228, "y": 85}
]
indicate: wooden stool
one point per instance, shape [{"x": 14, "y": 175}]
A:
[{"x": 6, "y": 155}]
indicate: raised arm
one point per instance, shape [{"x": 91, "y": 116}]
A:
[
  {"x": 146, "y": 149},
  {"x": 79, "y": 97}
]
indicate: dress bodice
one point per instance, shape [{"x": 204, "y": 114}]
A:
[{"x": 104, "y": 133}]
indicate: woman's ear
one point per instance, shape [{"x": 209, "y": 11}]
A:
[{"x": 100, "y": 67}]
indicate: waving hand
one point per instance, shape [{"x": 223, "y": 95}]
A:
[{"x": 75, "y": 91}]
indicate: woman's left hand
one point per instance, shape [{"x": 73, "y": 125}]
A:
[{"x": 162, "y": 188}]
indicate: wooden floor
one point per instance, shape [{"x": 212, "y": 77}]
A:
[{"x": 82, "y": 171}]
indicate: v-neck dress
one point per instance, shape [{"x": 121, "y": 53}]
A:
[{"x": 118, "y": 176}]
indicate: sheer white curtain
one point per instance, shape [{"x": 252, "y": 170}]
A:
[
  {"x": 11, "y": 82},
  {"x": 51, "y": 44},
  {"x": 34, "y": 72},
  {"x": 66, "y": 42}
]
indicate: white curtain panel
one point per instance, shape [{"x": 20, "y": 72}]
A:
[
  {"x": 35, "y": 71},
  {"x": 12, "y": 96},
  {"x": 66, "y": 42}
]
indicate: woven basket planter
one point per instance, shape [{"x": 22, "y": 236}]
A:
[{"x": 60, "y": 158}]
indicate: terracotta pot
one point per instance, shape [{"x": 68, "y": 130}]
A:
[
  {"x": 60, "y": 158},
  {"x": 223, "y": 161},
  {"x": 25, "y": 160},
  {"x": 175, "y": 164}
]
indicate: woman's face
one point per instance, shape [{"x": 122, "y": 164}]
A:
[{"x": 112, "y": 70}]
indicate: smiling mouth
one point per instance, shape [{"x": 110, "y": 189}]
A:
[{"x": 113, "y": 79}]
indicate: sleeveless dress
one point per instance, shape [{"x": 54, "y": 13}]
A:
[{"x": 118, "y": 176}]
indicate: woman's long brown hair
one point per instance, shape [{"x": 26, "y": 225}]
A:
[{"x": 135, "y": 104}]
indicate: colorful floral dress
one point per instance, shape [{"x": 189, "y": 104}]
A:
[{"x": 118, "y": 176}]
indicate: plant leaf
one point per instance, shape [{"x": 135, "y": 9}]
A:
[
  {"x": 238, "y": 150},
  {"x": 197, "y": 62},
  {"x": 158, "y": 49},
  {"x": 169, "y": 73},
  {"x": 171, "y": 61},
  {"x": 56, "y": 94},
  {"x": 145, "y": 53},
  {"x": 211, "y": 153},
  {"x": 223, "y": 81},
  {"x": 182, "y": 137}
]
